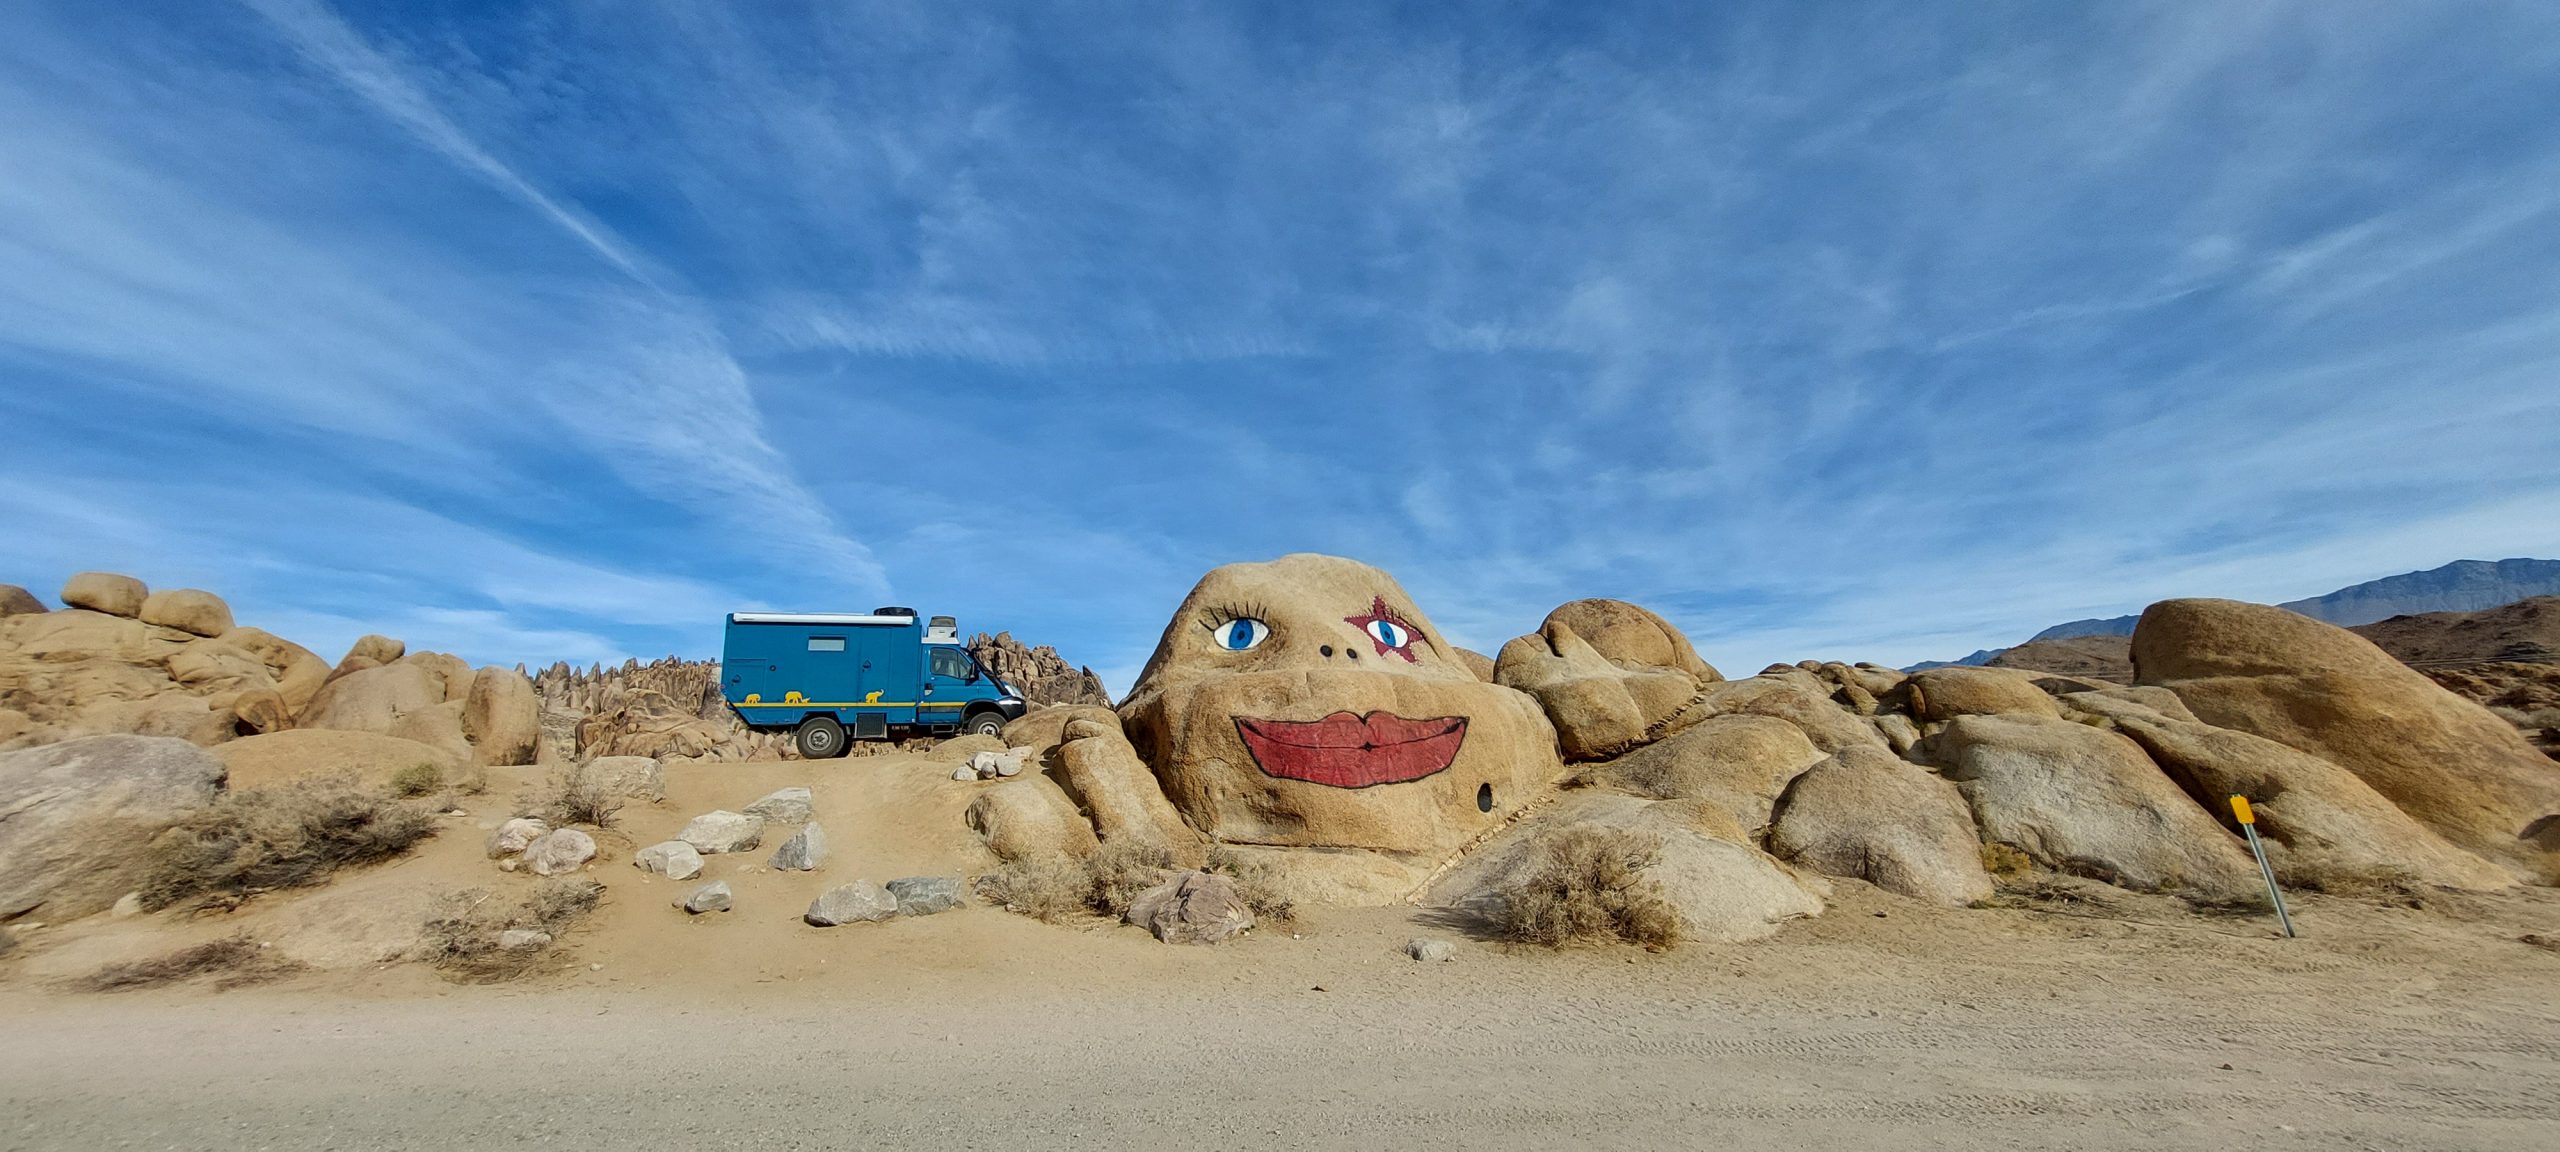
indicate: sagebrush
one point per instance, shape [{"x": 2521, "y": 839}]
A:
[
  {"x": 1257, "y": 884},
  {"x": 1057, "y": 888},
  {"x": 461, "y": 935},
  {"x": 572, "y": 795},
  {"x": 285, "y": 836},
  {"x": 1589, "y": 885},
  {"x": 235, "y": 961}
]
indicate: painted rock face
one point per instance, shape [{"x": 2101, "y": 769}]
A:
[{"x": 1306, "y": 702}]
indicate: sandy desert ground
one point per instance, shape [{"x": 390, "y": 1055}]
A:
[{"x": 1883, "y": 1023}]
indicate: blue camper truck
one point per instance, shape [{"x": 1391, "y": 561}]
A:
[{"x": 834, "y": 676}]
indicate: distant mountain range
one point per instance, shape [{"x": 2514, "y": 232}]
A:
[{"x": 2462, "y": 586}]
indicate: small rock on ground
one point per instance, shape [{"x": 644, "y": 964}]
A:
[
  {"x": 723, "y": 831},
  {"x": 559, "y": 851},
  {"x": 523, "y": 939},
  {"x": 783, "y": 806},
  {"x": 803, "y": 852},
  {"x": 1431, "y": 951},
  {"x": 516, "y": 835},
  {"x": 926, "y": 895},
  {"x": 674, "y": 859},
  {"x": 711, "y": 897},
  {"x": 859, "y": 902}
]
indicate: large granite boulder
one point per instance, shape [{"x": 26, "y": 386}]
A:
[
  {"x": 74, "y": 817},
  {"x": 1867, "y": 814},
  {"x": 1609, "y": 695},
  {"x": 1307, "y": 702},
  {"x": 2321, "y": 689},
  {"x": 1741, "y": 762},
  {"x": 2086, "y": 801},
  {"x": 105, "y": 592}
]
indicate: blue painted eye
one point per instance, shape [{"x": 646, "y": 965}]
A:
[
  {"x": 1386, "y": 632},
  {"x": 1240, "y": 633}
]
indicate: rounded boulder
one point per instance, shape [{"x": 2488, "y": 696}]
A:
[
  {"x": 105, "y": 592},
  {"x": 188, "y": 610}
]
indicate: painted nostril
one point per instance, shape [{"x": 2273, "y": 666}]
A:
[
  {"x": 1326, "y": 649},
  {"x": 1350, "y": 653}
]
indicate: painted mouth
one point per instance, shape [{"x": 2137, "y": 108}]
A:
[{"x": 1349, "y": 751}]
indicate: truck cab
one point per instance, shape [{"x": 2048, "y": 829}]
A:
[{"x": 834, "y": 677}]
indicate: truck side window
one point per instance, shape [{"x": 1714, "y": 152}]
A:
[
  {"x": 949, "y": 663},
  {"x": 826, "y": 643}
]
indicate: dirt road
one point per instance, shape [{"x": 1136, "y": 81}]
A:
[{"x": 2387, "y": 1028}]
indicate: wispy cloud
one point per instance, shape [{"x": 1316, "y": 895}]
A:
[{"x": 1877, "y": 333}]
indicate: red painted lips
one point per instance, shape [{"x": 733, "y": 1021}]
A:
[{"x": 1348, "y": 751}]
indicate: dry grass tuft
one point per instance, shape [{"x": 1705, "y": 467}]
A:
[
  {"x": 1257, "y": 884},
  {"x": 1589, "y": 885},
  {"x": 287, "y": 836},
  {"x": 572, "y": 795},
  {"x": 1057, "y": 888},
  {"x": 236, "y": 961},
  {"x": 417, "y": 780},
  {"x": 461, "y": 935},
  {"x": 2006, "y": 862}
]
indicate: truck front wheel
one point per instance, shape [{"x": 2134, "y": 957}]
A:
[
  {"x": 984, "y": 724},
  {"x": 819, "y": 738}
]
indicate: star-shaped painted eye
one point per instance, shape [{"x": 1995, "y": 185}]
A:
[{"x": 1389, "y": 631}]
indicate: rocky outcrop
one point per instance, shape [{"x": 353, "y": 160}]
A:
[
  {"x": 1741, "y": 763},
  {"x": 1043, "y": 676},
  {"x": 2321, "y": 689},
  {"x": 1940, "y": 694},
  {"x": 17, "y": 601},
  {"x": 1604, "y": 701},
  {"x": 501, "y": 717},
  {"x": 669, "y": 710}
]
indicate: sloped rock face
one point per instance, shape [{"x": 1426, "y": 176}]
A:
[
  {"x": 1874, "y": 816},
  {"x": 1307, "y": 702},
  {"x": 1101, "y": 772},
  {"x": 2320, "y": 689},
  {"x": 1029, "y": 817},
  {"x": 1043, "y": 676},
  {"x": 75, "y": 815},
  {"x": 17, "y": 601},
  {"x": 2330, "y": 828},
  {"x": 2088, "y": 802}
]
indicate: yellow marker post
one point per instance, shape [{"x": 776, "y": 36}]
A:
[{"x": 2249, "y": 828}]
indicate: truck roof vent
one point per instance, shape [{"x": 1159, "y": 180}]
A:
[
  {"x": 893, "y": 610},
  {"x": 945, "y": 623}
]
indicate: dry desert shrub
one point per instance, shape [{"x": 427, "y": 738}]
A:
[
  {"x": 1589, "y": 885},
  {"x": 1256, "y": 885},
  {"x": 287, "y": 836},
  {"x": 572, "y": 795},
  {"x": 1056, "y": 888},
  {"x": 417, "y": 780},
  {"x": 462, "y": 935},
  {"x": 235, "y": 961},
  {"x": 1050, "y": 888}
]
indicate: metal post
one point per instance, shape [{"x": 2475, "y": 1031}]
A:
[{"x": 2249, "y": 828}]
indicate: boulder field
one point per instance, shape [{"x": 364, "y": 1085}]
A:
[{"x": 1304, "y": 715}]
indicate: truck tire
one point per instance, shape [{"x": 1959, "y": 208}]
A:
[
  {"x": 983, "y": 724},
  {"x": 819, "y": 738}
]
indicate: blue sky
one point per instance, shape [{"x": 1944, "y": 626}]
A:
[{"x": 1847, "y": 331}]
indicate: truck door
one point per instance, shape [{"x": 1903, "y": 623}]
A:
[{"x": 947, "y": 688}]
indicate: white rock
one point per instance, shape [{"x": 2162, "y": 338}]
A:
[
  {"x": 523, "y": 939},
  {"x": 514, "y": 836},
  {"x": 859, "y": 902},
  {"x": 964, "y": 772},
  {"x": 723, "y": 831},
  {"x": 674, "y": 859},
  {"x": 784, "y": 806},
  {"x": 1431, "y": 951},
  {"x": 560, "y": 850}
]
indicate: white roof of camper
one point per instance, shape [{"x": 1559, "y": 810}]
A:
[{"x": 816, "y": 618}]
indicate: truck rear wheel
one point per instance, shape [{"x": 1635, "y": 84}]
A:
[
  {"x": 984, "y": 724},
  {"x": 819, "y": 738}
]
